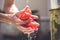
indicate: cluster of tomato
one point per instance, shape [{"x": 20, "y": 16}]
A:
[{"x": 26, "y": 14}]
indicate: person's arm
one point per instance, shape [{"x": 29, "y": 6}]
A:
[
  {"x": 6, "y": 18},
  {"x": 8, "y": 2},
  {"x": 10, "y": 7}
]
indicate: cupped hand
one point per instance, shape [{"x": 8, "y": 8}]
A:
[
  {"x": 12, "y": 16},
  {"x": 17, "y": 22}
]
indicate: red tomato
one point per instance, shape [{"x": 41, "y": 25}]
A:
[
  {"x": 24, "y": 25},
  {"x": 25, "y": 14},
  {"x": 33, "y": 25}
]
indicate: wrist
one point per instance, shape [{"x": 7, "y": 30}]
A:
[{"x": 11, "y": 9}]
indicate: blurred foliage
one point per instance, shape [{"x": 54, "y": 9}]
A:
[{"x": 54, "y": 20}]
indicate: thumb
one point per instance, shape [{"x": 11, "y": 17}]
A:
[{"x": 34, "y": 17}]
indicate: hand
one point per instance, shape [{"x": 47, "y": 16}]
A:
[{"x": 12, "y": 12}]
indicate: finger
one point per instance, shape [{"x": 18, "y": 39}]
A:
[
  {"x": 34, "y": 16},
  {"x": 30, "y": 31},
  {"x": 18, "y": 21},
  {"x": 25, "y": 30},
  {"x": 36, "y": 29}
]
